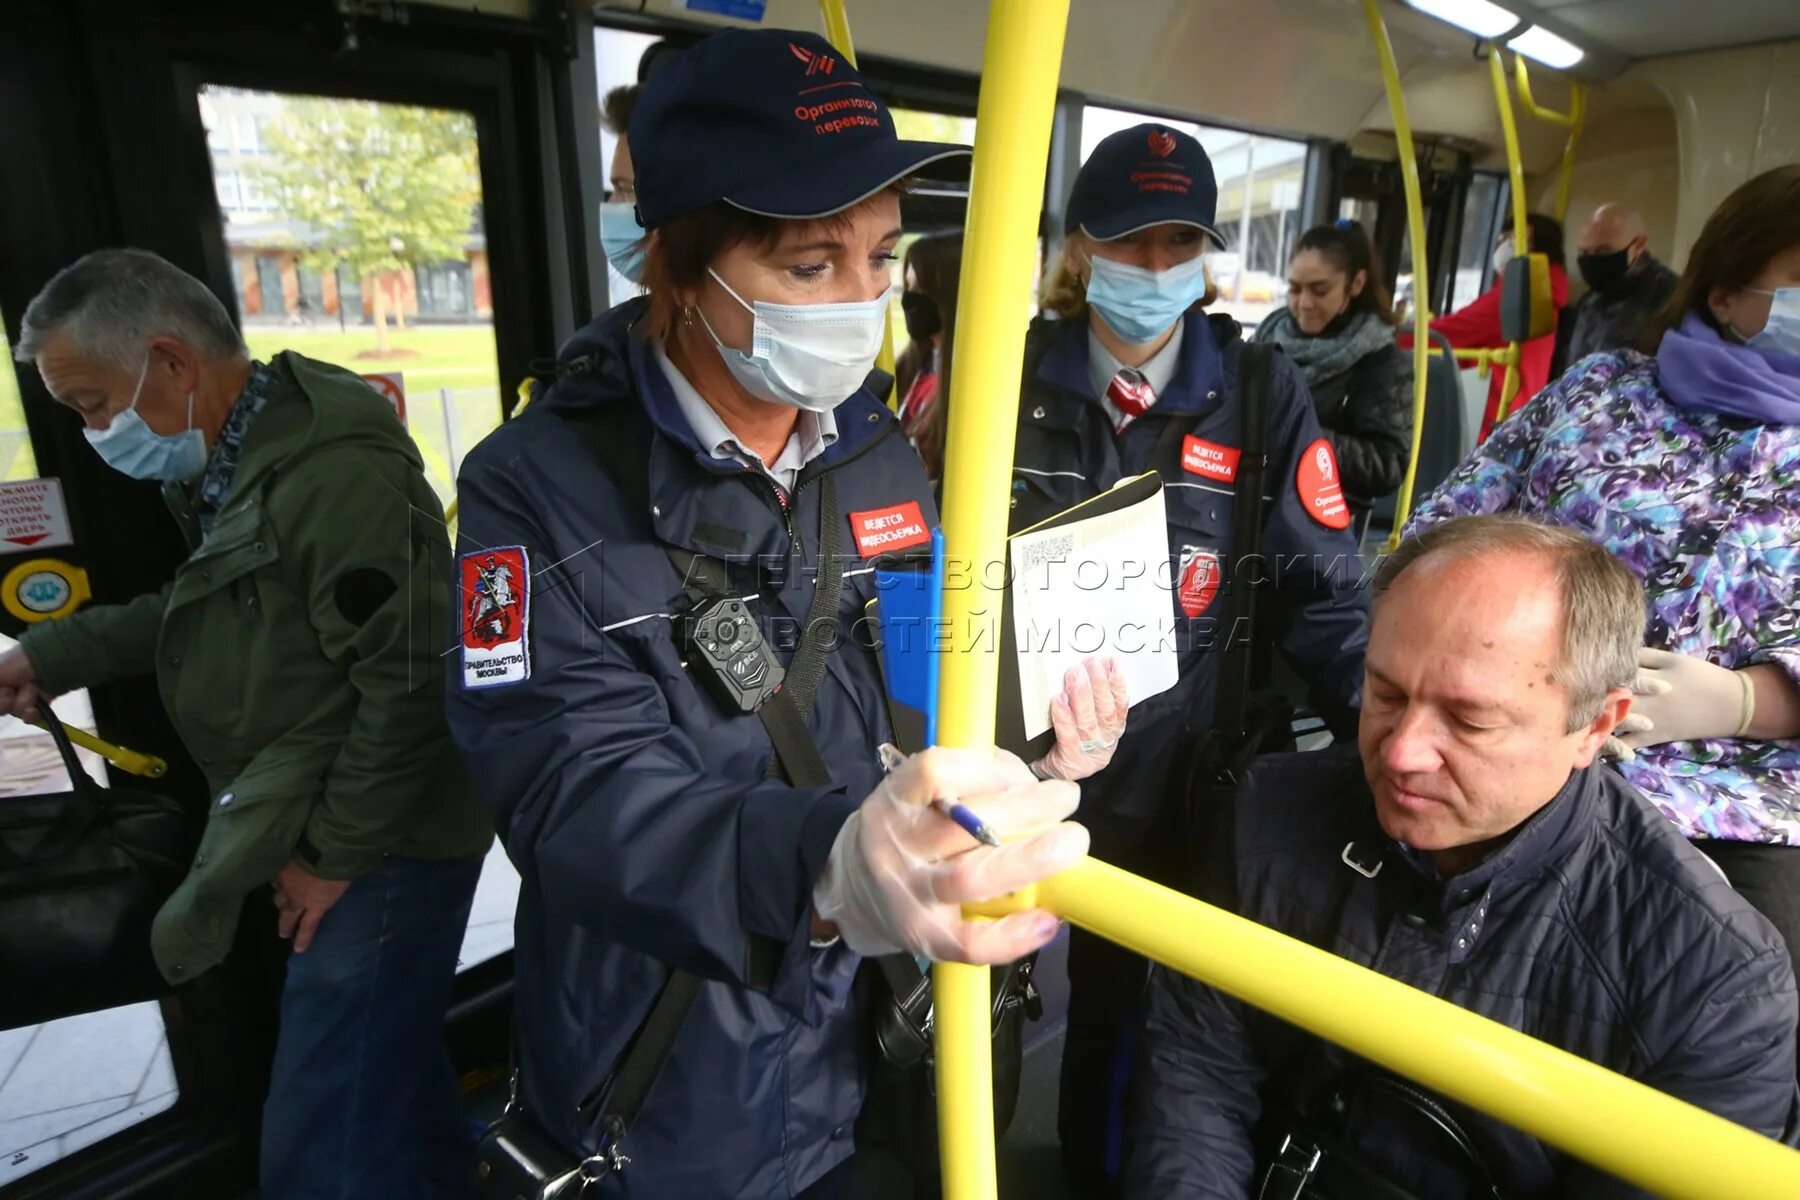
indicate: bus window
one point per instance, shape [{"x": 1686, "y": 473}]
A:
[
  {"x": 1474, "y": 257},
  {"x": 1260, "y": 183},
  {"x": 355, "y": 235}
]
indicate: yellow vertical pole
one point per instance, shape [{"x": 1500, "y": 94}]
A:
[
  {"x": 1515, "y": 169},
  {"x": 1019, "y": 71},
  {"x": 1415, "y": 223},
  {"x": 837, "y": 32}
]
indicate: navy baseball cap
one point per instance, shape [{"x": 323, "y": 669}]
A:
[
  {"x": 1143, "y": 176},
  {"x": 773, "y": 121}
]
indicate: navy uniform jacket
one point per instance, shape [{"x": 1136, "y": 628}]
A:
[
  {"x": 1067, "y": 451},
  {"x": 637, "y": 811}
]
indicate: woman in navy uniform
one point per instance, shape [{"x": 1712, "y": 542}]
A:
[
  {"x": 721, "y": 424},
  {"x": 1135, "y": 377}
]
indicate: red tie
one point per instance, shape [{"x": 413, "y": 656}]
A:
[{"x": 1130, "y": 393}]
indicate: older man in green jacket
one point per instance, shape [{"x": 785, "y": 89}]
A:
[{"x": 297, "y": 651}]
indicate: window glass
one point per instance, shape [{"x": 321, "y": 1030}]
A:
[
  {"x": 355, "y": 238},
  {"x": 69, "y": 1083},
  {"x": 17, "y": 459},
  {"x": 1260, "y": 182},
  {"x": 1474, "y": 257}
]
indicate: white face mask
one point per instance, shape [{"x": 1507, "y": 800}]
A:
[
  {"x": 1504, "y": 253},
  {"x": 811, "y": 356},
  {"x": 1780, "y": 334}
]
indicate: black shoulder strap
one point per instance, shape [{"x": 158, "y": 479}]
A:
[
  {"x": 1256, "y": 374},
  {"x": 618, "y": 438}
]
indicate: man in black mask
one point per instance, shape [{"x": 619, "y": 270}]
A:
[{"x": 1626, "y": 284}]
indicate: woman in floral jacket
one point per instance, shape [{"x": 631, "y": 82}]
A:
[{"x": 1687, "y": 465}]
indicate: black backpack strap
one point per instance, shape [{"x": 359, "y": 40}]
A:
[{"x": 1256, "y": 377}]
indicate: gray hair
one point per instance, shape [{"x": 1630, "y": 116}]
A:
[
  {"x": 112, "y": 302},
  {"x": 1602, "y": 601}
]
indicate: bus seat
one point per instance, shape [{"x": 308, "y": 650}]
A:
[
  {"x": 1526, "y": 308},
  {"x": 1441, "y": 441},
  {"x": 1440, "y": 438}
]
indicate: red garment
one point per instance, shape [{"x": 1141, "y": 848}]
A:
[
  {"x": 917, "y": 401},
  {"x": 1476, "y": 326}
]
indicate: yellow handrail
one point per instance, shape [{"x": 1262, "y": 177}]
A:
[
  {"x": 1020, "y": 67},
  {"x": 1515, "y": 168},
  {"x": 1571, "y": 120},
  {"x": 837, "y": 32},
  {"x": 1640, "y": 1134},
  {"x": 1415, "y": 218},
  {"x": 132, "y": 762}
]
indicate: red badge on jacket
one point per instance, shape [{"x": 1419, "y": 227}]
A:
[
  {"x": 1199, "y": 580},
  {"x": 886, "y": 530},
  {"x": 1209, "y": 460},
  {"x": 1316, "y": 481}
]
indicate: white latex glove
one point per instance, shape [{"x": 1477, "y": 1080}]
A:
[
  {"x": 900, "y": 870},
  {"x": 1678, "y": 698},
  {"x": 1089, "y": 718}
]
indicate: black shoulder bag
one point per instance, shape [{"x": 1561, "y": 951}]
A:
[
  {"x": 1248, "y": 720},
  {"x": 82, "y": 876},
  {"x": 1312, "y": 1159}
]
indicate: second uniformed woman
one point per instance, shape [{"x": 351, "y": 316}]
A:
[{"x": 1134, "y": 376}]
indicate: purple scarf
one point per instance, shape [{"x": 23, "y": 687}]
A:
[{"x": 1701, "y": 370}]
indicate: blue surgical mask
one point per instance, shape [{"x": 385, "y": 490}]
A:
[
  {"x": 1140, "y": 304},
  {"x": 623, "y": 240},
  {"x": 130, "y": 446},
  {"x": 810, "y": 356},
  {"x": 1781, "y": 333}
]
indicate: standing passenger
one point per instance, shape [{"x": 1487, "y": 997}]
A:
[
  {"x": 933, "y": 271},
  {"x": 293, "y": 656},
  {"x": 1338, "y": 327},
  {"x": 722, "y": 423},
  {"x": 620, "y": 234},
  {"x": 1134, "y": 378}
]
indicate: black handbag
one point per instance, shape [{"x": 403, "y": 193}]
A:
[
  {"x": 82, "y": 875},
  {"x": 1303, "y": 1158}
]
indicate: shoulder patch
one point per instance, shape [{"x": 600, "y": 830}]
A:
[
  {"x": 1316, "y": 481},
  {"x": 494, "y": 600}
]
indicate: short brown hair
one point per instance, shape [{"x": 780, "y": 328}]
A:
[
  {"x": 1757, "y": 222},
  {"x": 678, "y": 253},
  {"x": 1602, "y": 601},
  {"x": 616, "y": 109},
  {"x": 1065, "y": 293}
]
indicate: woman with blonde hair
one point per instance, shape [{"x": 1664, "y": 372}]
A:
[{"x": 1132, "y": 375}]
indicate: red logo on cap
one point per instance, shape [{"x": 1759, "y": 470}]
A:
[
  {"x": 816, "y": 63},
  {"x": 1162, "y": 143}
]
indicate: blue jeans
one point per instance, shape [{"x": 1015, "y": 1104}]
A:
[{"x": 363, "y": 1100}]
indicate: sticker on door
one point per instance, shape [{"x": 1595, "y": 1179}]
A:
[{"x": 33, "y": 516}]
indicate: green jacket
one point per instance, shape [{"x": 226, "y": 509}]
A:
[{"x": 298, "y": 651}]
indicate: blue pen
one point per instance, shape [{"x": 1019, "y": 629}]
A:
[
  {"x": 964, "y": 817},
  {"x": 971, "y": 824}
]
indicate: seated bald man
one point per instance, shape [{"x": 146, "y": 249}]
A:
[
  {"x": 1471, "y": 846},
  {"x": 1626, "y": 283}
]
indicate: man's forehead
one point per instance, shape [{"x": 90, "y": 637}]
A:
[{"x": 1498, "y": 601}]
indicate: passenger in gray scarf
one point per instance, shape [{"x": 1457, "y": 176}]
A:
[{"x": 1338, "y": 328}]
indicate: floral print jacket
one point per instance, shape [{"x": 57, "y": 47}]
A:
[{"x": 1706, "y": 510}]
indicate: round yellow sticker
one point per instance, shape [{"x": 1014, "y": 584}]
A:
[{"x": 43, "y": 589}]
